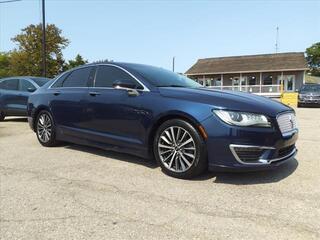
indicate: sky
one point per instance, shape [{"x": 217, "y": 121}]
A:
[{"x": 153, "y": 32}]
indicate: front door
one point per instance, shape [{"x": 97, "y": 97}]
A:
[
  {"x": 10, "y": 97},
  {"x": 114, "y": 116}
]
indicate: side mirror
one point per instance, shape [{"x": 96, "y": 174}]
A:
[
  {"x": 123, "y": 84},
  {"x": 31, "y": 89},
  {"x": 126, "y": 85}
]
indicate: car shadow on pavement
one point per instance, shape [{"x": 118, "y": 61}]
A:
[
  {"x": 14, "y": 119},
  {"x": 114, "y": 155},
  {"x": 236, "y": 178},
  {"x": 260, "y": 177}
]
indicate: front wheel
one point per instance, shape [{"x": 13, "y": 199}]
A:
[
  {"x": 180, "y": 149},
  {"x": 45, "y": 129}
]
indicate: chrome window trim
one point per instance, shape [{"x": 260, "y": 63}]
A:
[
  {"x": 260, "y": 161},
  {"x": 145, "y": 89}
]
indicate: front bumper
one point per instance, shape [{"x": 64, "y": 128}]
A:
[{"x": 224, "y": 141}]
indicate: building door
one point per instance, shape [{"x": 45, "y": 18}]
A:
[{"x": 288, "y": 82}]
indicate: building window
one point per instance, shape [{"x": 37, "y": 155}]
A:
[
  {"x": 235, "y": 81},
  {"x": 252, "y": 80},
  {"x": 267, "y": 80}
]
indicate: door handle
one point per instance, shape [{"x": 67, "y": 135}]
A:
[
  {"x": 94, "y": 93},
  {"x": 56, "y": 93}
]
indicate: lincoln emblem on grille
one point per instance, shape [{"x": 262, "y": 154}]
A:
[{"x": 291, "y": 121}]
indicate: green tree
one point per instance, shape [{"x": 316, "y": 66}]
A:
[
  {"x": 4, "y": 64},
  {"x": 27, "y": 58},
  {"x": 78, "y": 61},
  {"x": 313, "y": 58}
]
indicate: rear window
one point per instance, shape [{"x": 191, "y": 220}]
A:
[
  {"x": 41, "y": 81},
  {"x": 77, "y": 78},
  {"x": 60, "y": 80}
]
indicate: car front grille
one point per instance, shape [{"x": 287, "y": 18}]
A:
[
  {"x": 287, "y": 122},
  {"x": 311, "y": 97}
]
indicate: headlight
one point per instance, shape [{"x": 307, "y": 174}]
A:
[{"x": 243, "y": 118}]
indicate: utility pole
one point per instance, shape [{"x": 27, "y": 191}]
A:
[
  {"x": 173, "y": 62},
  {"x": 277, "y": 40},
  {"x": 44, "y": 47}
]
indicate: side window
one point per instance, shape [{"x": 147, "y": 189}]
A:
[
  {"x": 10, "y": 84},
  {"x": 107, "y": 75},
  {"x": 58, "y": 83},
  {"x": 26, "y": 85},
  {"x": 78, "y": 78}
]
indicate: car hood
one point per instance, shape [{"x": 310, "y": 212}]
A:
[{"x": 231, "y": 100}]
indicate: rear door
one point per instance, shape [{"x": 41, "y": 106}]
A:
[
  {"x": 9, "y": 95},
  {"x": 68, "y": 99}
]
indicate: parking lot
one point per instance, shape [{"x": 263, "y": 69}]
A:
[{"x": 76, "y": 192}]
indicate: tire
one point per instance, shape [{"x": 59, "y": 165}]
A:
[
  {"x": 45, "y": 129},
  {"x": 183, "y": 156},
  {"x": 2, "y": 116}
]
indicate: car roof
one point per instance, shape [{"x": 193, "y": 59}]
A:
[
  {"x": 23, "y": 77},
  {"x": 120, "y": 64}
]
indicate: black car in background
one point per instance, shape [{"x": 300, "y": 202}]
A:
[
  {"x": 309, "y": 94},
  {"x": 14, "y": 93}
]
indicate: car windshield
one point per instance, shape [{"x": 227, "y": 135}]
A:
[
  {"x": 160, "y": 77},
  {"x": 310, "y": 88},
  {"x": 41, "y": 81}
]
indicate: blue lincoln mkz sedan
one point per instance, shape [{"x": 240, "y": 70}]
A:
[{"x": 152, "y": 112}]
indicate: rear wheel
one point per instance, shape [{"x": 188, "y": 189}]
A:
[
  {"x": 45, "y": 129},
  {"x": 180, "y": 149}
]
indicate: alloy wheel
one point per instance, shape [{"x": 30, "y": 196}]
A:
[
  {"x": 44, "y": 128},
  {"x": 177, "y": 149}
]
